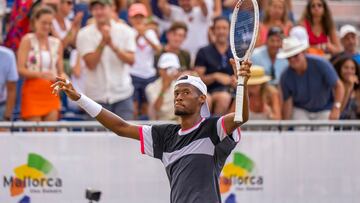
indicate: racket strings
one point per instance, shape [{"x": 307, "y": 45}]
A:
[{"x": 244, "y": 28}]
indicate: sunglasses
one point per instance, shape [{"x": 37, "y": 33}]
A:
[
  {"x": 319, "y": 5},
  {"x": 68, "y": 3}
]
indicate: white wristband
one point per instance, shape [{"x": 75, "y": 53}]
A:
[{"x": 90, "y": 106}]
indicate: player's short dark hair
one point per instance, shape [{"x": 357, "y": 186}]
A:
[
  {"x": 178, "y": 25},
  {"x": 220, "y": 18}
]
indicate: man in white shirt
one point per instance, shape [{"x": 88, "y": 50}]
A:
[
  {"x": 195, "y": 17},
  {"x": 107, "y": 49}
]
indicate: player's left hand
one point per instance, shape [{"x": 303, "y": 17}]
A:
[{"x": 244, "y": 70}]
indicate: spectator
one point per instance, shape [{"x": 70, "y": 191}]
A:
[
  {"x": 310, "y": 87},
  {"x": 66, "y": 30},
  {"x": 20, "y": 20},
  {"x": 161, "y": 92},
  {"x": 108, "y": 49},
  {"x": 175, "y": 37},
  {"x": 264, "y": 99},
  {"x": 39, "y": 61},
  {"x": 318, "y": 21},
  {"x": 212, "y": 64},
  {"x": 8, "y": 78},
  {"x": 266, "y": 55},
  {"x": 147, "y": 44},
  {"x": 196, "y": 18},
  {"x": 349, "y": 42},
  {"x": 349, "y": 73},
  {"x": 276, "y": 14}
]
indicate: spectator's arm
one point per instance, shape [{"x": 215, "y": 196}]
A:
[
  {"x": 152, "y": 39},
  {"x": 217, "y": 8},
  {"x": 334, "y": 45},
  {"x": 338, "y": 92},
  {"x": 22, "y": 57},
  {"x": 287, "y": 108},
  {"x": 164, "y": 7},
  {"x": 166, "y": 83},
  {"x": 203, "y": 7},
  {"x": 275, "y": 104},
  {"x": 208, "y": 79},
  {"x": 126, "y": 56},
  {"x": 228, "y": 3},
  {"x": 60, "y": 62},
  {"x": 10, "y": 100},
  {"x": 92, "y": 59}
]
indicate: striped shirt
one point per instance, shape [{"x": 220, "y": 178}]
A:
[{"x": 193, "y": 158}]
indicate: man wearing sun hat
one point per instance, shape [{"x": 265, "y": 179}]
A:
[
  {"x": 107, "y": 48},
  {"x": 310, "y": 87}
]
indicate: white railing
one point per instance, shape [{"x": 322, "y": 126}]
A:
[{"x": 253, "y": 125}]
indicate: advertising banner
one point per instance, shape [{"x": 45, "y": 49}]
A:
[{"x": 264, "y": 167}]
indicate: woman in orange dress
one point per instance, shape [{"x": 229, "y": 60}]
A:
[
  {"x": 39, "y": 61},
  {"x": 276, "y": 15}
]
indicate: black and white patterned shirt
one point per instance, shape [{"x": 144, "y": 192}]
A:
[{"x": 193, "y": 158}]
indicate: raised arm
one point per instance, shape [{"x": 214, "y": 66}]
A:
[
  {"x": 164, "y": 7},
  {"x": 229, "y": 123},
  {"x": 338, "y": 94},
  {"x": 105, "y": 117}
]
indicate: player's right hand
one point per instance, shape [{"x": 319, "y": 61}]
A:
[{"x": 65, "y": 85}]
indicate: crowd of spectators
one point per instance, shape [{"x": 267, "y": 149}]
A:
[{"x": 126, "y": 55}]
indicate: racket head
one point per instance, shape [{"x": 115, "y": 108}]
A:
[{"x": 244, "y": 28}]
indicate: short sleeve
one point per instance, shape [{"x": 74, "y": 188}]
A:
[
  {"x": 200, "y": 59},
  {"x": 221, "y": 132},
  {"x": 12, "y": 73},
  {"x": 151, "y": 35},
  {"x": 130, "y": 44},
  {"x": 152, "y": 140},
  {"x": 328, "y": 72}
]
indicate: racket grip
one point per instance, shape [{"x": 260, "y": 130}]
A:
[{"x": 239, "y": 101}]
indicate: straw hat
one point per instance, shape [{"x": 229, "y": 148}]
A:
[
  {"x": 258, "y": 76},
  {"x": 291, "y": 47}
]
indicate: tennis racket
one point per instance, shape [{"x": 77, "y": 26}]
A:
[{"x": 243, "y": 34}]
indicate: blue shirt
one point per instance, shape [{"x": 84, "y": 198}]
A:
[
  {"x": 312, "y": 90},
  {"x": 213, "y": 61},
  {"x": 261, "y": 58},
  {"x": 8, "y": 71}
]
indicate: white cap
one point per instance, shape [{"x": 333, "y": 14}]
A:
[
  {"x": 300, "y": 33},
  {"x": 199, "y": 84},
  {"x": 291, "y": 47},
  {"x": 346, "y": 29},
  {"x": 169, "y": 60}
]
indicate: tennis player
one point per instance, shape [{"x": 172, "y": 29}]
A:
[{"x": 188, "y": 150}]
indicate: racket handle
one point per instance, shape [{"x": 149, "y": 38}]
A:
[{"x": 239, "y": 101}]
